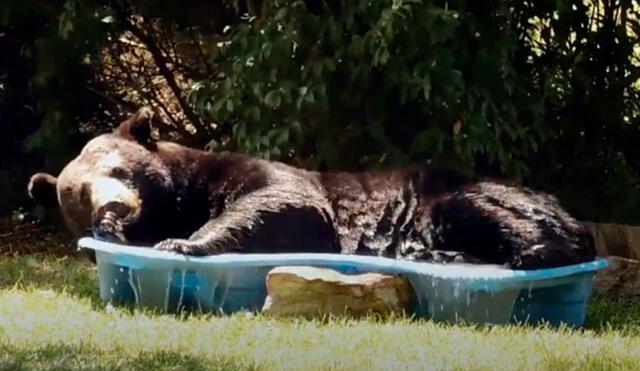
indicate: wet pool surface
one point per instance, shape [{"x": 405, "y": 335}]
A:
[{"x": 452, "y": 293}]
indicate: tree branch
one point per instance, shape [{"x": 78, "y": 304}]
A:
[{"x": 161, "y": 62}]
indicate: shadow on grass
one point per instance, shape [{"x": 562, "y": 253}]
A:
[
  {"x": 590, "y": 362},
  {"x": 607, "y": 313},
  {"x": 66, "y": 357},
  {"x": 73, "y": 275}
]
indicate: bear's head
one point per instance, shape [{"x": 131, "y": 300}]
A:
[{"x": 119, "y": 186}]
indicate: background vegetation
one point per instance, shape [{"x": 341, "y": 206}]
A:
[{"x": 543, "y": 92}]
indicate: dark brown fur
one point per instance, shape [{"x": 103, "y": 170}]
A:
[{"x": 198, "y": 203}]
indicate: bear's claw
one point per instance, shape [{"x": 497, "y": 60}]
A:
[
  {"x": 179, "y": 246},
  {"x": 109, "y": 228}
]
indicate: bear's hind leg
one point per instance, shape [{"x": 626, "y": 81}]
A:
[
  {"x": 507, "y": 225},
  {"x": 460, "y": 227}
]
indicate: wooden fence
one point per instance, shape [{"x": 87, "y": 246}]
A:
[{"x": 616, "y": 239}]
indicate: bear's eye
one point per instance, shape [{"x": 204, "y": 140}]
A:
[{"x": 119, "y": 172}]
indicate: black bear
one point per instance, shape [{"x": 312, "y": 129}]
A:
[{"x": 126, "y": 187}]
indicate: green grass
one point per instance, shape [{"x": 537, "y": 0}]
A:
[{"x": 51, "y": 318}]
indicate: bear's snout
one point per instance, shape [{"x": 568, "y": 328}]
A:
[
  {"x": 105, "y": 190},
  {"x": 114, "y": 207}
]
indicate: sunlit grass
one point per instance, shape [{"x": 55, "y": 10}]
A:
[{"x": 51, "y": 318}]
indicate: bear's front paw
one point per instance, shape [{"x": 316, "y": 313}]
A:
[{"x": 178, "y": 246}]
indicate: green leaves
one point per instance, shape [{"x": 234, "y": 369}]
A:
[
  {"x": 273, "y": 99},
  {"x": 495, "y": 86},
  {"x": 516, "y": 88},
  {"x": 490, "y": 86},
  {"x": 381, "y": 68}
]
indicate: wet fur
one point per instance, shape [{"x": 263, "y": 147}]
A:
[
  {"x": 197, "y": 203},
  {"x": 412, "y": 213}
]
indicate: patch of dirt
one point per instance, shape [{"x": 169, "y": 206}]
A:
[{"x": 32, "y": 237}]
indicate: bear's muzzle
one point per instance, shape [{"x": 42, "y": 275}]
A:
[{"x": 115, "y": 206}]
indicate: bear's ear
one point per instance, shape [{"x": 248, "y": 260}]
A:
[
  {"x": 42, "y": 188},
  {"x": 138, "y": 126}
]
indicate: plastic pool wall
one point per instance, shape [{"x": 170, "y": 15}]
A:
[{"x": 452, "y": 293}]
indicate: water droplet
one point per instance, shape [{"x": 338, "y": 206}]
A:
[
  {"x": 139, "y": 286},
  {"x": 182, "y": 286},
  {"x": 133, "y": 288},
  {"x": 456, "y": 290},
  {"x": 166, "y": 294}
]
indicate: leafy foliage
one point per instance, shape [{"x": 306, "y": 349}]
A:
[
  {"x": 50, "y": 44},
  {"x": 383, "y": 82},
  {"x": 586, "y": 67},
  {"x": 544, "y": 92}
]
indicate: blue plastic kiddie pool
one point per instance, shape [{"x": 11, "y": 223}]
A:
[{"x": 231, "y": 282}]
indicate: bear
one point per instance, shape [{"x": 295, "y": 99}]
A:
[{"x": 127, "y": 187}]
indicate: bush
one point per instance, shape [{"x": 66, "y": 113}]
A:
[
  {"x": 377, "y": 83},
  {"x": 543, "y": 92}
]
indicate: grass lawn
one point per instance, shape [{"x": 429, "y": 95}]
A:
[{"x": 51, "y": 318}]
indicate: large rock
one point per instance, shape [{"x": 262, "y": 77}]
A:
[
  {"x": 621, "y": 278},
  {"x": 309, "y": 291}
]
